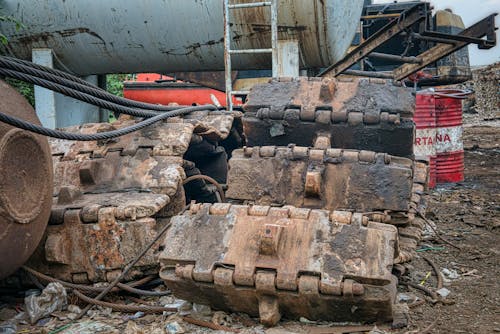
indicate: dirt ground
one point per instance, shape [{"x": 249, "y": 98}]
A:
[{"x": 465, "y": 214}]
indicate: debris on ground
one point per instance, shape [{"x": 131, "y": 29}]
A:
[{"x": 53, "y": 298}]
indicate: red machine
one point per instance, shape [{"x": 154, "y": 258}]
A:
[{"x": 162, "y": 89}]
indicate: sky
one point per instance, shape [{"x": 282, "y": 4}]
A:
[{"x": 472, "y": 11}]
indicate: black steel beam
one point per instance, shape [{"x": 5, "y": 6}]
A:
[
  {"x": 405, "y": 21},
  {"x": 385, "y": 56},
  {"x": 485, "y": 27},
  {"x": 381, "y": 75},
  {"x": 482, "y": 43}
]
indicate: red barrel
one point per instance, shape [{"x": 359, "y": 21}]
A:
[
  {"x": 449, "y": 129},
  {"x": 425, "y": 134}
]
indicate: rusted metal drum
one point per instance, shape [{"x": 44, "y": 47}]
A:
[
  {"x": 449, "y": 129},
  {"x": 425, "y": 133},
  {"x": 26, "y": 183}
]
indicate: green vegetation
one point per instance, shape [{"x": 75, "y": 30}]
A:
[
  {"x": 114, "y": 83},
  {"x": 6, "y": 18},
  {"x": 25, "y": 89}
]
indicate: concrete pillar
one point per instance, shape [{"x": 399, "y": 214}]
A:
[
  {"x": 56, "y": 110},
  {"x": 45, "y": 99},
  {"x": 288, "y": 58}
]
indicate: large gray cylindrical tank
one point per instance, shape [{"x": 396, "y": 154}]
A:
[{"x": 127, "y": 36}]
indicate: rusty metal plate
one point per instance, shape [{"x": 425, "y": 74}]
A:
[
  {"x": 270, "y": 261},
  {"x": 363, "y": 114},
  {"x": 25, "y": 184},
  {"x": 323, "y": 179},
  {"x": 96, "y": 242},
  {"x": 111, "y": 197}
]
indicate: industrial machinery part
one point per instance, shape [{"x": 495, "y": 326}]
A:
[
  {"x": 112, "y": 197},
  {"x": 25, "y": 184},
  {"x": 127, "y": 36},
  {"x": 265, "y": 261},
  {"x": 334, "y": 179},
  {"x": 316, "y": 220},
  {"x": 446, "y": 44},
  {"x": 365, "y": 114},
  {"x": 271, "y": 258}
]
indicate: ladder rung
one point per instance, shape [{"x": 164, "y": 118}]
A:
[
  {"x": 251, "y": 51},
  {"x": 250, "y": 5},
  {"x": 240, "y": 92}
]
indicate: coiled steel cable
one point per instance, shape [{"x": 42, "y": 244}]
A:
[
  {"x": 28, "y": 67},
  {"x": 50, "y": 70},
  {"x": 124, "y": 308},
  {"x": 130, "y": 287},
  {"x": 22, "y": 124},
  {"x": 77, "y": 94},
  {"x": 210, "y": 180}
]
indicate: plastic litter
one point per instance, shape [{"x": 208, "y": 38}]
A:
[
  {"x": 53, "y": 298},
  {"x": 8, "y": 328},
  {"x": 86, "y": 327},
  {"x": 201, "y": 310},
  {"x": 450, "y": 273},
  {"x": 443, "y": 292},
  {"x": 174, "y": 328}
]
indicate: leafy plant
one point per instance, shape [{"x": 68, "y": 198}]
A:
[
  {"x": 114, "y": 83},
  {"x": 7, "y": 18},
  {"x": 25, "y": 89}
]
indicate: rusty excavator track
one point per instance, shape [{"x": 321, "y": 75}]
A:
[
  {"x": 323, "y": 202},
  {"x": 322, "y": 191}
]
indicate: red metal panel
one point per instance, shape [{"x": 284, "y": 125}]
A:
[{"x": 147, "y": 89}]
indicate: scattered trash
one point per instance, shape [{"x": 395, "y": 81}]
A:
[
  {"x": 425, "y": 249},
  {"x": 53, "y": 298},
  {"x": 201, "y": 310},
  {"x": 376, "y": 330},
  {"x": 183, "y": 306},
  {"x": 306, "y": 321},
  {"x": 443, "y": 292},
  {"x": 174, "y": 328},
  {"x": 222, "y": 319},
  {"x": 279, "y": 331},
  {"x": 133, "y": 328},
  {"x": 403, "y": 297},
  {"x": 74, "y": 309},
  {"x": 135, "y": 316},
  {"x": 471, "y": 273},
  {"x": 425, "y": 278},
  {"x": 450, "y": 274},
  {"x": 43, "y": 322},
  {"x": 84, "y": 327},
  {"x": 73, "y": 312},
  {"x": 8, "y": 328},
  {"x": 105, "y": 311}
]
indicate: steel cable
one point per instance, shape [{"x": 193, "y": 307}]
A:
[
  {"x": 130, "y": 287},
  {"x": 124, "y": 308},
  {"x": 49, "y": 70},
  {"x": 22, "y": 124},
  {"x": 208, "y": 179},
  {"x": 77, "y": 94},
  {"x": 28, "y": 67}
]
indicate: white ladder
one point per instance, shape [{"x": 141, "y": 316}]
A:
[{"x": 228, "y": 52}]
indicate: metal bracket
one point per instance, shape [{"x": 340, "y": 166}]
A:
[{"x": 446, "y": 44}]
